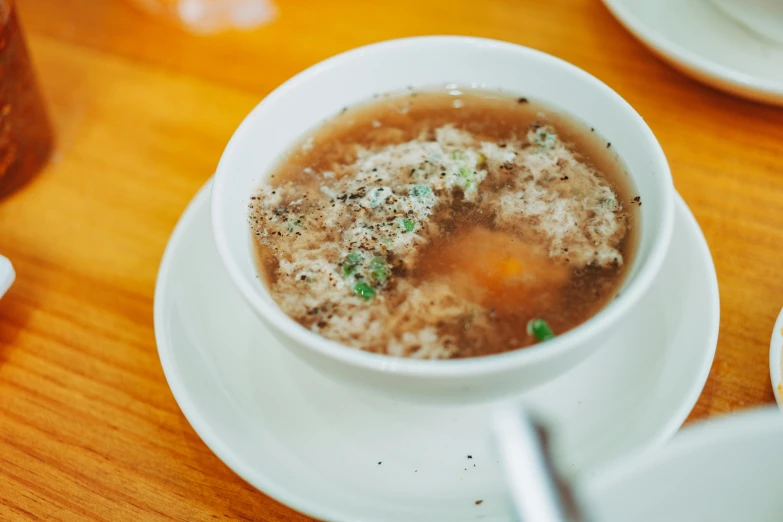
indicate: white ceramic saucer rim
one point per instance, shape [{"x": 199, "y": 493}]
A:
[
  {"x": 300, "y": 503},
  {"x": 646, "y": 34},
  {"x": 677, "y": 420},
  {"x": 775, "y": 354},
  {"x": 191, "y": 411}
]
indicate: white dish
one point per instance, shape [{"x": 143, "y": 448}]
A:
[
  {"x": 315, "y": 444},
  {"x": 764, "y": 17},
  {"x": 775, "y": 362},
  {"x": 7, "y": 275},
  {"x": 303, "y": 102},
  {"x": 723, "y": 470},
  {"x": 696, "y": 37}
]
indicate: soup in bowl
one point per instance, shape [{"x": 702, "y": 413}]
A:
[{"x": 443, "y": 218}]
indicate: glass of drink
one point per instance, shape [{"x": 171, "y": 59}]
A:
[{"x": 25, "y": 130}]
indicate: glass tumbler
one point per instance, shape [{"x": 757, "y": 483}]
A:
[{"x": 26, "y": 137}]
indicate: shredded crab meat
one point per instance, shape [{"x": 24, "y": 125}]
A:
[{"x": 338, "y": 249}]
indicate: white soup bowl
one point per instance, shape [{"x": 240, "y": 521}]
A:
[{"x": 304, "y": 102}]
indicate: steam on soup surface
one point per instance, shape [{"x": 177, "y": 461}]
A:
[{"x": 441, "y": 224}]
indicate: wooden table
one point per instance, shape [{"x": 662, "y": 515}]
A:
[{"x": 88, "y": 427}]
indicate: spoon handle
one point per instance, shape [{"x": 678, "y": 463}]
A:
[{"x": 539, "y": 495}]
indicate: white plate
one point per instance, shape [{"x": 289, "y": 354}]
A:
[
  {"x": 723, "y": 470},
  {"x": 7, "y": 275},
  {"x": 775, "y": 362},
  {"x": 699, "y": 39},
  {"x": 315, "y": 444}
]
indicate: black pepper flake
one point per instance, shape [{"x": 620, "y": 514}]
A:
[
  {"x": 322, "y": 324},
  {"x": 592, "y": 129},
  {"x": 637, "y": 198},
  {"x": 608, "y": 144},
  {"x": 564, "y": 178},
  {"x": 522, "y": 100},
  {"x": 303, "y": 277},
  {"x": 379, "y": 463},
  {"x": 470, "y": 456}
]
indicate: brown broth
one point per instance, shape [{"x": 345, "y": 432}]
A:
[{"x": 469, "y": 250}]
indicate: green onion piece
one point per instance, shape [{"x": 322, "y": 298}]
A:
[
  {"x": 352, "y": 260},
  {"x": 467, "y": 175},
  {"x": 407, "y": 224},
  {"x": 456, "y": 155},
  {"x": 378, "y": 269},
  {"x": 539, "y": 329},
  {"x": 363, "y": 290},
  {"x": 293, "y": 224},
  {"x": 609, "y": 203},
  {"x": 421, "y": 191},
  {"x": 545, "y": 139}
]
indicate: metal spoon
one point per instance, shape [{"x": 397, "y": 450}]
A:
[{"x": 539, "y": 494}]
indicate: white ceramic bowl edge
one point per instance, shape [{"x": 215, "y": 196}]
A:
[{"x": 306, "y": 100}]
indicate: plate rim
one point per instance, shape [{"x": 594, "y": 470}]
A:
[
  {"x": 775, "y": 356},
  {"x": 716, "y": 430},
  {"x": 267, "y": 486},
  {"x": 182, "y": 397},
  {"x": 711, "y": 72}
]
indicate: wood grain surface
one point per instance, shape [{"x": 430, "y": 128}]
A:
[{"x": 88, "y": 427}]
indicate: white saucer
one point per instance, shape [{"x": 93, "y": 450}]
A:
[
  {"x": 699, "y": 39},
  {"x": 331, "y": 452},
  {"x": 775, "y": 362},
  {"x": 7, "y": 275},
  {"x": 725, "y": 469}
]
